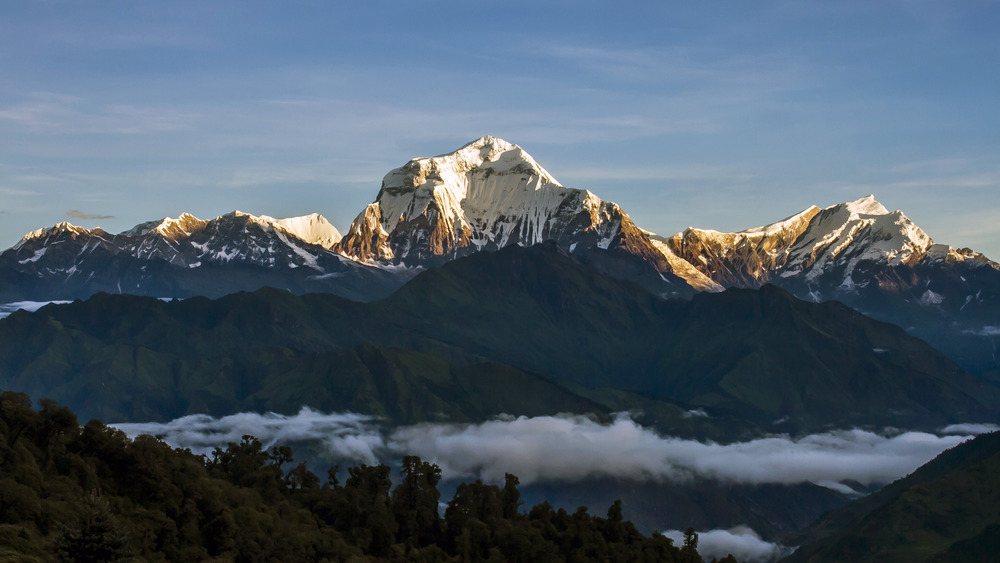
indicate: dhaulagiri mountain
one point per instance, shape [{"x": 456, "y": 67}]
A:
[
  {"x": 944, "y": 511},
  {"x": 491, "y": 194}
]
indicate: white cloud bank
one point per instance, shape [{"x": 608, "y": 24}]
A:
[
  {"x": 349, "y": 435},
  {"x": 742, "y": 542},
  {"x": 572, "y": 448}
]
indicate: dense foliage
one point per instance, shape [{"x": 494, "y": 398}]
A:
[
  {"x": 91, "y": 494},
  {"x": 944, "y": 511}
]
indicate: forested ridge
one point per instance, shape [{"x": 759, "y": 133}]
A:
[{"x": 89, "y": 493}]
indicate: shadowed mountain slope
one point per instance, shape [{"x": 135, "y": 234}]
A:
[
  {"x": 759, "y": 356},
  {"x": 944, "y": 511}
]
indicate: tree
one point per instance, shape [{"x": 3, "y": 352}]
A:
[
  {"x": 415, "y": 502},
  {"x": 510, "y": 497},
  {"x": 97, "y": 537}
]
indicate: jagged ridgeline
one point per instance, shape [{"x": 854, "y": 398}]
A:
[
  {"x": 91, "y": 494},
  {"x": 520, "y": 331},
  {"x": 491, "y": 194}
]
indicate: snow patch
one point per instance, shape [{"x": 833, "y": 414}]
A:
[
  {"x": 38, "y": 254},
  {"x": 930, "y": 298}
]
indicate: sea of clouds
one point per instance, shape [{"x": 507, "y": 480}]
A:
[{"x": 568, "y": 448}]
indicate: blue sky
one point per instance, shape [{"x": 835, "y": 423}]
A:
[{"x": 721, "y": 115}]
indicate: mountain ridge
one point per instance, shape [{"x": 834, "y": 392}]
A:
[
  {"x": 490, "y": 194},
  {"x": 188, "y": 256},
  {"x": 755, "y": 355}
]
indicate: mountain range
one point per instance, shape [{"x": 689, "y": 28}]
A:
[
  {"x": 187, "y": 256},
  {"x": 491, "y": 194},
  {"x": 748, "y": 356},
  {"x": 476, "y": 285},
  {"x": 523, "y": 332}
]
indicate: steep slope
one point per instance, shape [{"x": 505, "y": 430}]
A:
[
  {"x": 943, "y": 511},
  {"x": 761, "y": 355},
  {"x": 187, "y": 256},
  {"x": 744, "y": 259},
  {"x": 487, "y": 195},
  {"x": 750, "y": 356},
  {"x": 132, "y": 358}
]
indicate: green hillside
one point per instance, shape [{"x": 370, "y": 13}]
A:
[{"x": 947, "y": 510}]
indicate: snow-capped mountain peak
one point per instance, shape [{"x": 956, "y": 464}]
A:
[
  {"x": 867, "y": 205},
  {"x": 181, "y": 227},
  {"x": 486, "y": 195},
  {"x": 44, "y": 232},
  {"x": 488, "y": 176},
  {"x": 846, "y": 234},
  {"x": 313, "y": 228}
]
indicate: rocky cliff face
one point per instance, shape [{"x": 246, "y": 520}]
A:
[
  {"x": 487, "y": 195},
  {"x": 826, "y": 252}
]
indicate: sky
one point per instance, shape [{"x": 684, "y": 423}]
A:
[{"x": 723, "y": 115}]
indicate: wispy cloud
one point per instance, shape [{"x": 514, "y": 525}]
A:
[
  {"x": 661, "y": 173},
  {"x": 53, "y": 113},
  {"x": 682, "y": 65},
  {"x": 348, "y": 435},
  {"x": 698, "y": 80},
  {"x": 742, "y": 542},
  {"x": 77, "y": 214},
  {"x": 970, "y": 428},
  {"x": 934, "y": 165}
]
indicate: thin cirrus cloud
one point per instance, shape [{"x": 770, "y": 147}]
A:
[
  {"x": 47, "y": 113},
  {"x": 571, "y": 448}
]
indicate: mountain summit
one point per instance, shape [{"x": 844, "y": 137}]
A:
[
  {"x": 812, "y": 244},
  {"x": 487, "y": 195}
]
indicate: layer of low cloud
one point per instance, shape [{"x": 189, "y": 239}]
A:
[
  {"x": 742, "y": 542},
  {"x": 568, "y": 448},
  {"x": 349, "y": 436},
  {"x": 572, "y": 448},
  {"x": 77, "y": 214},
  {"x": 973, "y": 429}
]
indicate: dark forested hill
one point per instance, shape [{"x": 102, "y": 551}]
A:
[
  {"x": 90, "y": 494},
  {"x": 944, "y": 511},
  {"x": 542, "y": 322}
]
